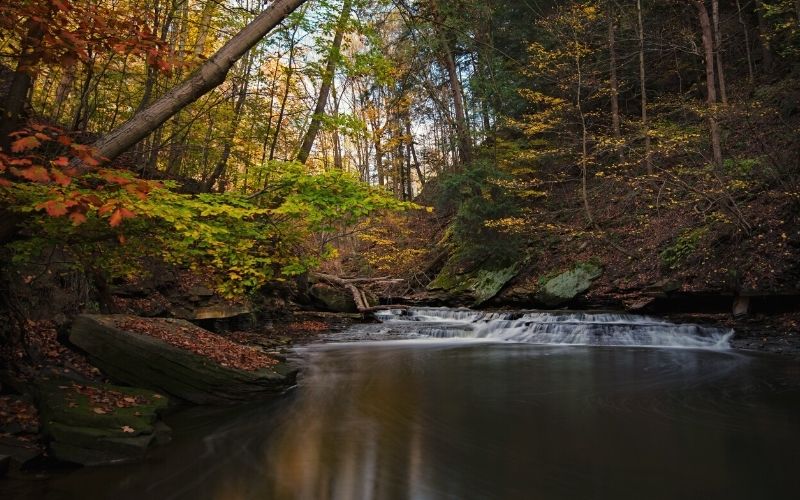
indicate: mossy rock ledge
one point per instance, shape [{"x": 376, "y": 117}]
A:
[
  {"x": 474, "y": 287},
  {"x": 80, "y": 431},
  {"x": 563, "y": 288},
  {"x": 143, "y": 361}
]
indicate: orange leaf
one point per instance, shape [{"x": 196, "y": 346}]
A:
[
  {"x": 34, "y": 174},
  {"x": 24, "y": 144},
  {"x": 60, "y": 178},
  {"x": 77, "y": 218},
  {"x": 54, "y": 208},
  {"x": 116, "y": 218},
  {"x": 109, "y": 206},
  {"x": 61, "y": 161}
]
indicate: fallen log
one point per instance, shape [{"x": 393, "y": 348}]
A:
[{"x": 359, "y": 296}]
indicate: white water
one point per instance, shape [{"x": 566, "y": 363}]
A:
[{"x": 558, "y": 328}]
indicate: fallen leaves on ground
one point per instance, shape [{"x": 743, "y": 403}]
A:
[
  {"x": 100, "y": 400},
  {"x": 45, "y": 351},
  {"x": 18, "y": 416},
  {"x": 199, "y": 341}
]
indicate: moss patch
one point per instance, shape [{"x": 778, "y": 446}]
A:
[
  {"x": 475, "y": 286},
  {"x": 94, "y": 424},
  {"x": 564, "y": 287}
]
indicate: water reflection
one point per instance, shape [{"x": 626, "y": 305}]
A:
[{"x": 474, "y": 421}]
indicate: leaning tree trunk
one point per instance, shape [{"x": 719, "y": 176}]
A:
[
  {"x": 325, "y": 88},
  {"x": 209, "y": 75}
]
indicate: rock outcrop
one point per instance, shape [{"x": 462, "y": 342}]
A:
[
  {"x": 472, "y": 287},
  {"x": 144, "y": 361}
]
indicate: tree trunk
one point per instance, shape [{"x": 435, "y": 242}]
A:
[
  {"x": 723, "y": 91},
  {"x": 746, "y": 31},
  {"x": 202, "y": 30},
  {"x": 711, "y": 91},
  {"x": 464, "y": 141},
  {"x": 338, "y": 161},
  {"x": 65, "y": 88},
  {"x": 325, "y": 88},
  {"x": 643, "y": 89},
  {"x": 613, "y": 80},
  {"x": 763, "y": 37},
  {"x": 222, "y": 164},
  {"x": 209, "y": 75},
  {"x": 13, "y": 108},
  {"x": 413, "y": 152},
  {"x": 285, "y": 97}
]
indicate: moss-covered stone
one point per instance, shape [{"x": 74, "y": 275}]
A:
[
  {"x": 144, "y": 361},
  {"x": 93, "y": 432},
  {"x": 565, "y": 287},
  {"x": 475, "y": 286}
]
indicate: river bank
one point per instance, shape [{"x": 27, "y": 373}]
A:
[{"x": 20, "y": 427}]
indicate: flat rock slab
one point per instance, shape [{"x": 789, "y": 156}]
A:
[
  {"x": 143, "y": 361},
  {"x": 97, "y": 424}
]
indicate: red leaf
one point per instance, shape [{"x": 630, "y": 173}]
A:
[
  {"x": 61, "y": 161},
  {"x": 24, "y": 144}
]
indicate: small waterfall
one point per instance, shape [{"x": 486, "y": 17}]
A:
[{"x": 562, "y": 328}]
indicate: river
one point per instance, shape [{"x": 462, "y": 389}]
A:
[{"x": 443, "y": 404}]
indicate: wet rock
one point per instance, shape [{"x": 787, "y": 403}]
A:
[
  {"x": 565, "y": 287},
  {"x": 144, "y": 361},
  {"x": 78, "y": 430},
  {"x": 201, "y": 291},
  {"x": 741, "y": 306},
  {"x": 5, "y": 464},
  {"x": 333, "y": 298},
  {"x": 19, "y": 452},
  {"x": 220, "y": 311}
]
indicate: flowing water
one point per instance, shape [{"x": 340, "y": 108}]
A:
[{"x": 453, "y": 404}]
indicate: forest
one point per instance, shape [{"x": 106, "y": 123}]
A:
[{"x": 234, "y": 177}]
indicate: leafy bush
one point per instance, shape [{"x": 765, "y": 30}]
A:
[
  {"x": 242, "y": 243},
  {"x": 684, "y": 246}
]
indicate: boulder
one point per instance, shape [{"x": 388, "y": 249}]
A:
[
  {"x": 338, "y": 299},
  {"x": 144, "y": 361},
  {"x": 96, "y": 424},
  {"x": 194, "y": 312},
  {"x": 565, "y": 287},
  {"x": 472, "y": 287}
]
